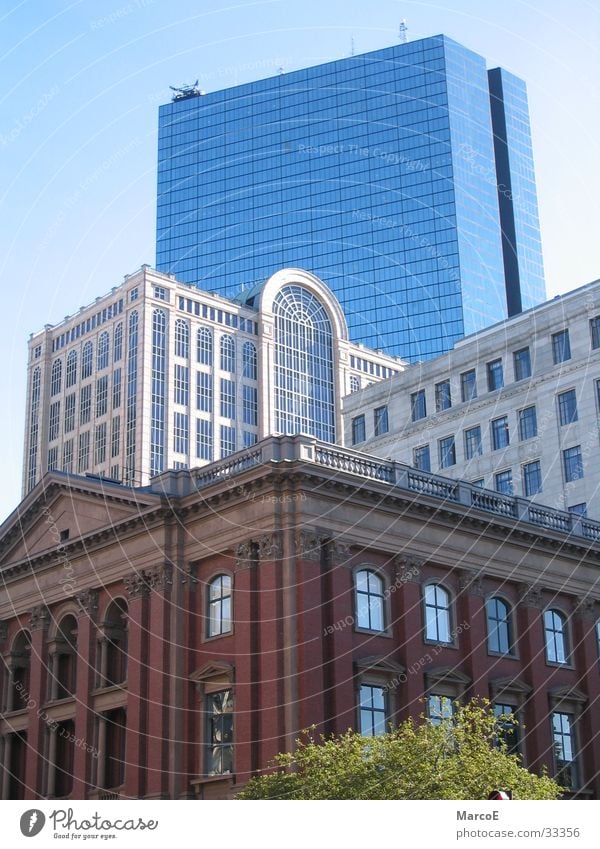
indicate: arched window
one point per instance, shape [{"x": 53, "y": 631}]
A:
[
  {"x": 19, "y": 659},
  {"x": 227, "y": 353},
  {"x": 437, "y": 614},
  {"x": 114, "y": 662},
  {"x": 304, "y": 382},
  {"x": 103, "y": 351},
  {"x": 204, "y": 346},
  {"x": 498, "y": 625},
  {"x": 65, "y": 659},
  {"x": 56, "y": 377},
  {"x": 219, "y": 606},
  {"x": 182, "y": 338},
  {"x": 249, "y": 364},
  {"x": 34, "y": 415},
  {"x": 87, "y": 360},
  {"x": 555, "y": 631},
  {"x": 354, "y": 383},
  {"x": 118, "y": 342},
  {"x": 71, "y": 375},
  {"x": 370, "y": 612},
  {"x": 159, "y": 377}
]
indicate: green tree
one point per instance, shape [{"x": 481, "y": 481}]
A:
[{"x": 462, "y": 758}]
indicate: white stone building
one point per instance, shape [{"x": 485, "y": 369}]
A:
[
  {"x": 158, "y": 374},
  {"x": 514, "y": 408}
]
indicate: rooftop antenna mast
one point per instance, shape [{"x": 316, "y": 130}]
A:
[
  {"x": 402, "y": 32},
  {"x": 352, "y": 46}
]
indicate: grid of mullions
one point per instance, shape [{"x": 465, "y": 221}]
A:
[
  {"x": 294, "y": 171},
  {"x": 304, "y": 389}
]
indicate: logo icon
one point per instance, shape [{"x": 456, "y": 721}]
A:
[{"x": 32, "y": 822}]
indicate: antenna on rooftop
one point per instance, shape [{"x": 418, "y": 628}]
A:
[
  {"x": 352, "y": 46},
  {"x": 402, "y": 31}
]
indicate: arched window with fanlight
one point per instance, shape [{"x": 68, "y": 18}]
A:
[
  {"x": 56, "y": 377},
  {"x": 555, "y": 632},
  {"x": 182, "y": 338},
  {"x": 249, "y": 362},
  {"x": 87, "y": 360},
  {"x": 304, "y": 374},
  {"x": 437, "y": 614},
  {"x": 113, "y": 654},
  {"x": 71, "y": 374},
  {"x": 227, "y": 353},
  {"x": 370, "y": 607},
  {"x": 103, "y": 343},
  {"x": 354, "y": 383},
  {"x": 498, "y": 626},
  {"x": 204, "y": 346},
  {"x": 219, "y": 606}
]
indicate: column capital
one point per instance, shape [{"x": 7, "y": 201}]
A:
[
  {"x": 270, "y": 546},
  {"x": 87, "y": 602},
  {"x": 530, "y": 596},
  {"x": 245, "y": 555},
  {"x": 409, "y": 568},
  {"x": 39, "y": 618},
  {"x": 471, "y": 583},
  {"x": 585, "y": 608},
  {"x": 308, "y": 544},
  {"x": 340, "y": 551},
  {"x": 142, "y": 583}
]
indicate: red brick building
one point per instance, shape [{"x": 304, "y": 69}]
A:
[{"x": 166, "y": 642}]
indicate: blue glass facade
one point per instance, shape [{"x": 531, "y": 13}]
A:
[{"x": 374, "y": 172}]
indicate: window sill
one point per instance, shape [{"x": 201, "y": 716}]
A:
[
  {"x": 440, "y": 644},
  {"x": 506, "y": 655},
  {"x": 210, "y": 779},
  {"x": 374, "y": 633},
  {"x": 556, "y": 665}
]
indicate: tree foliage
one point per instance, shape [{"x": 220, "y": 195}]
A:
[{"x": 462, "y": 758}]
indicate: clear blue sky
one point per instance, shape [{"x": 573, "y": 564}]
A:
[{"x": 82, "y": 81}]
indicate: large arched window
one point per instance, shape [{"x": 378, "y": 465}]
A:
[
  {"x": 159, "y": 388},
  {"x": 56, "y": 377},
  {"x": 182, "y": 338},
  {"x": 370, "y": 611},
  {"x": 555, "y": 631},
  {"x": 219, "y": 606},
  {"x": 87, "y": 360},
  {"x": 19, "y": 660},
  {"x": 354, "y": 383},
  {"x": 227, "y": 353},
  {"x": 103, "y": 351},
  {"x": 118, "y": 342},
  {"x": 249, "y": 364},
  {"x": 499, "y": 626},
  {"x": 113, "y": 661},
  {"x": 437, "y": 614},
  {"x": 304, "y": 382},
  {"x": 204, "y": 346},
  {"x": 71, "y": 375},
  {"x": 64, "y": 668}
]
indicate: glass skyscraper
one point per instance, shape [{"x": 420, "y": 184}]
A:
[{"x": 403, "y": 178}]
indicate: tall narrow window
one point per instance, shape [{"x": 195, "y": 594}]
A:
[
  {"x": 204, "y": 346},
  {"x": 468, "y": 385},
  {"x": 508, "y": 730},
  {"x": 503, "y": 482},
  {"x": 102, "y": 351},
  {"x": 447, "y": 452},
  {"x": 34, "y": 413},
  {"x": 116, "y": 398},
  {"x": 181, "y": 387},
  {"x": 555, "y": 631},
  {"x": 131, "y": 403},
  {"x": 422, "y": 458},
  {"x": 567, "y": 407},
  {"x": 522, "y": 364},
  {"x": 358, "y": 429},
  {"x": 56, "y": 377},
  {"x": 182, "y": 338},
  {"x": 227, "y": 398},
  {"x": 304, "y": 373},
  {"x": 87, "y": 361},
  {"x": 219, "y": 606},
  {"x": 204, "y": 439},
  {"x": 532, "y": 478},
  {"x": 564, "y": 749},
  {"x": 372, "y": 711},
  {"x": 100, "y": 444},
  {"x": 118, "y": 343},
  {"x": 204, "y": 395},
  {"x": 500, "y": 433},
  {"x": 250, "y": 405},
  {"x": 102, "y": 395},
  {"x": 227, "y": 353},
  {"x": 249, "y": 364},
  {"x": 495, "y": 375},
  {"x": 527, "y": 419},
  {"x": 439, "y": 708},
  {"x": 219, "y": 733},
  {"x": 54, "y": 421},
  {"x": 437, "y": 614},
  {"x": 181, "y": 433},
  {"x": 472, "y": 442},
  {"x": 227, "y": 440},
  {"x": 573, "y": 463},
  {"x": 71, "y": 374},
  {"x": 561, "y": 347},
  {"x": 498, "y": 626},
  {"x": 369, "y": 601},
  {"x": 443, "y": 398},
  {"x": 381, "y": 423},
  {"x": 418, "y": 405}
]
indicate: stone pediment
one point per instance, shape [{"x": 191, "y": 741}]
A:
[{"x": 59, "y": 511}]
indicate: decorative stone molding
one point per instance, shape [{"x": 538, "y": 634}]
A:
[
  {"x": 408, "y": 568},
  {"x": 245, "y": 555},
  {"x": 87, "y": 602},
  {"x": 190, "y": 575},
  {"x": 3, "y": 631},
  {"x": 470, "y": 583},
  {"x": 340, "y": 552},
  {"x": 585, "y": 608},
  {"x": 308, "y": 544},
  {"x": 531, "y": 596},
  {"x": 270, "y": 546},
  {"x": 40, "y": 618},
  {"x": 143, "y": 582}
]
